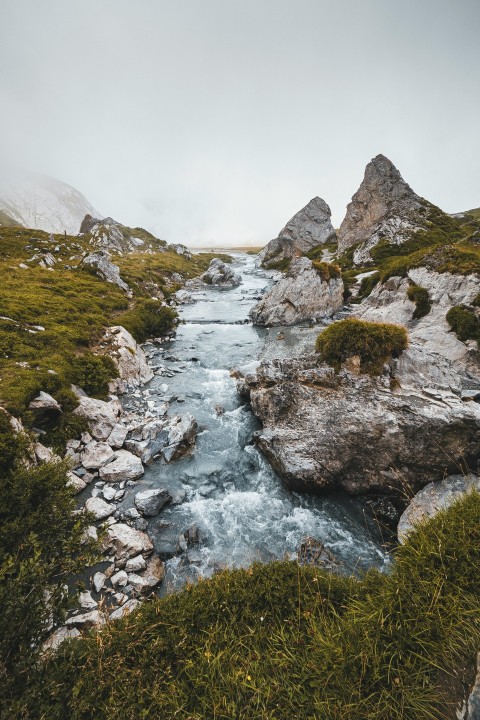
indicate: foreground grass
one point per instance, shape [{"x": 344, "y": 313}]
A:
[{"x": 282, "y": 641}]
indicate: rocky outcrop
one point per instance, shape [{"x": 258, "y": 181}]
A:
[
  {"x": 103, "y": 266},
  {"x": 306, "y": 230},
  {"x": 302, "y": 295},
  {"x": 323, "y": 430},
  {"x": 128, "y": 356},
  {"x": 384, "y": 207},
  {"x": 388, "y": 302},
  {"x": 219, "y": 273},
  {"x": 434, "y": 497},
  {"x": 101, "y": 415}
]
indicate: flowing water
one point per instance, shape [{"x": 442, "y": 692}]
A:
[{"x": 225, "y": 487}]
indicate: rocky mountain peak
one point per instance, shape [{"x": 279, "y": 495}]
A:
[
  {"x": 384, "y": 206},
  {"x": 307, "y": 229}
]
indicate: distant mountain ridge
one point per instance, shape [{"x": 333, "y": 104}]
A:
[{"x": 42, "y": 203}]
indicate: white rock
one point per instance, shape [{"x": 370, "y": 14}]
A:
[
  {"x": 96, "y": 455},
  {"x": 126, "y": 466},
  {"x": 117, "y": 436},
  {"x": 90, "y": 619},
  {"x": 120, "y": 578},
  {"x": 61, "y": 634},
  {"x": 136, "y": 563},
  {"x": 86, "y": 601},
  {"x": 99, "y": 508},
  {"x": 75, "y": 482},
  {"x": 150, "y": 502},
  {"x": 133, "y": 367},
  {"x": 90, "y": 533},
  {"x": 127, "y": 542},
  {"x": 101, "y": 416},
  {"x": 98, "y": 581},
  {"x": 127, "y": 608},
  {"x": 109, "y": 492}
]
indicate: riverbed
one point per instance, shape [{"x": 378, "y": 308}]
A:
[{"x": 225, "y": 492}]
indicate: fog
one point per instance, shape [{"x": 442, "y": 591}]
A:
[{"x": 214, "y": 121}]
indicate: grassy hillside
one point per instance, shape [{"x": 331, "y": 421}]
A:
[
  {"x": 284, "y": 641},
  {"x": 53, "y": 316}
]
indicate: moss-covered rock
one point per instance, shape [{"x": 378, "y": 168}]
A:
[
  {"x": 374, "y": 343},
  {"x": 419, "y": 295}
]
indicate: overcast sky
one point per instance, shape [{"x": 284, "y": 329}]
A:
[{"x": 214, "y": 121}]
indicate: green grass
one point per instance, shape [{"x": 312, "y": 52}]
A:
[
  {"x": 281, "y": 265},
  {"x": 284, "y": 641},
  {"x": 375, "y": 343},
  {"x": 73, "y": 306}
]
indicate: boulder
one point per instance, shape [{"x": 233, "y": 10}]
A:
[
  {"x": 434, "y": 497},
  {"x": 118, "y": 436},
  {"x": 150, "y": 578},
  {"x": 150, "y": 502},
  {"x": 98, "y": 581},
  {"x": 99, "y": 508},
  {"x": 302, "y": 295},
  {"x": 384, "y": 207},
  {"x": 86, "y": 601},
  {"x": 45, "y": 409},
  {"x": 135, "y": 564},
  {"x": 101, "y": 415},
  {"x": 89, "y": 619},
  {"x": 96, "y": 455},
  {"x": 219, "y": 273},
  {"x": 126, "y": 466},
  {"x": 127, "y": 542},
  {"x": 120, "y": 579},
  {"x": 128, "y": 356},
  {"x": 103, "y": 266},
  {"x": 323, "y": 430},
  {"x": 181, "y": 433},
  {"x": 306, "y": 230}
]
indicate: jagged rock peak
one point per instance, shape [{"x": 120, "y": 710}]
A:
[
  {"x": 307, "y": 229},
  {"x": 383, "y": 206}
]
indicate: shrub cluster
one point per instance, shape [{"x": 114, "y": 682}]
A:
[
  {"x": 326, "y": 271},
  {"x": 373, "y": 342},
  {"x": 464, "y": 323},
  {"x": 93, "y": 373},
  {"x": 148, "y": 319},
  {"x": 419, "y": 295}
]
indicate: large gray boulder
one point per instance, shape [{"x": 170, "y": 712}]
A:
[
  {"x": 306, "y": 230},
  {"x": 302, "y": 295},
  {"x": 101, "y": 415},
  {"x": 105, "y": 268},
  {"x": 96, "y": 455},
  {"x": 150, "y": 502},
  {"x": 128, "y": 356},
  {"x": 219, "y": 273},
  {"x": 384, "y": 207},
  {"x": 325, "y": 430},
  {"x": 125, "y": 466},
  {"x": 127, "y": 542}
]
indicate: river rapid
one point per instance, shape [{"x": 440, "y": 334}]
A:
[{"x": 225, "y": 488}]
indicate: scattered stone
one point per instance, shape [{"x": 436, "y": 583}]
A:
[
  {"x": 125, "y": 609},
  {"x": 125, "y": 466},
  {"x": 101, "y": 416},
  {"x": 99, "y": 508},
  {"x": 86, "y": 601},
  {"x": 150, "y": 502},
  {"x": 127, "y": 542},
  {"x": 219, "y": 273},
  {"x": 120, "y": 578},
  {"x": 117, "y": 436},
  {"x": 135, "y": 564},
  {"x": 100, "y": 261},
  {"x": 90, "y": 534},
  {"x": 60, "y": 635},
  {"x": 90, "y": 619},
  {"x": 96, "y": 455},
  {"x": 98, "y": 581}
]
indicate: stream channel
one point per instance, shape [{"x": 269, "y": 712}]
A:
[{"x": 225, "y": 487}]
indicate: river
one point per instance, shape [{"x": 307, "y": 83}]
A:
[{"x": 225, "y": 487}]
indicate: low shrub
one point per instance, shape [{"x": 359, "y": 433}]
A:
[
  {"x": 464, "y": 323},
  {"x": 148, "y": 319},
  {"x": 93, "y": 373},
  {"x": 281, "y": 265},
  {"x": 373, "y": 342},
  {"x": 326, "y": 271},
  {"x": 283, "y": 641},
  {"x": 367, "y": 284},
  {"x": 419, "y": 295}
]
